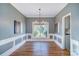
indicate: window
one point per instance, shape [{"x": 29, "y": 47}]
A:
[
  {"x": 40, "y": 30},
  {"x": 57, "y": 28},
  {"x": 17, "y": 27}
]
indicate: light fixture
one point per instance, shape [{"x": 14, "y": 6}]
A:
[
  {"x": 39, "y": 15},
  {"x": 39, "y": 21}
]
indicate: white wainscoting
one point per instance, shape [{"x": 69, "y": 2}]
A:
[
  {"x": 51, "y": 34},
  {"x": 14, "y": 47},
  {"x": 39, "y": 39},
  {"x": 61, "y": 45},
  {"x": 74, "y": 47},
  {"x": 13, "y": 39}
]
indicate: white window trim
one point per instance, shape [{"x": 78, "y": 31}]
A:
[{"x": 41, "y": 22}]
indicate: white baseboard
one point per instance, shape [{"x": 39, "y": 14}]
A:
[
  {"x": 60, "y": 45},
  {"x": 39, "y": 40},
  {"x": 10, "y": 51}
]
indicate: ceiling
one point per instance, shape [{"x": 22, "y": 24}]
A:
[{"x": 47, "y": 9}]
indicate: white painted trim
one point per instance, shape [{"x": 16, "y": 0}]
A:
[
  {"x": 10, "y": 51},
  {"x": 29, "y": 34},
  {"x": 76, "y": 52},
  {"x": 14, "y": 47},
  {"x": 50, "y": 34},
  {"x": 39, "y": 39},
  {"x": 5, "y": 41},
  {"x": 58, "y": 35},
  {"x": 63, "y": 28},
  {"x": 60, "y": 45}
]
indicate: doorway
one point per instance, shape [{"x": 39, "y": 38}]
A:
[{"x": 66, "y": 31}]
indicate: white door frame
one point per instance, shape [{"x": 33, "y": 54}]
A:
[
  {"x": 41, "y": 22},
  {"x": 63, "y": 29}
]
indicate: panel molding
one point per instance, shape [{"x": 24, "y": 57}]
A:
[
  {"x": 10, "y": 51},
  {"x": 38, "y": 39},
  {"x": 58, "y": 36},
  {"x": 74, "y": 47},
  {"x": 14, "y": 47}
]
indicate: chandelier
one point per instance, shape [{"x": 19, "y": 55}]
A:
[
  {"x": 40, "y": 20},
  {"x": 39, "y": 14}
]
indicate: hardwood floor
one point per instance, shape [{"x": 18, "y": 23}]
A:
[{"x": 42, "y": 48}]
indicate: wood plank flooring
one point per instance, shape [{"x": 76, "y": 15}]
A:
[{"x": 40, "y": 48}]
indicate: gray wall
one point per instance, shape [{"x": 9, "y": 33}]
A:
[
  {"x": 74, "y": 9},
  {"x": 30, "y": 20},
  {"x": 7, "y": 16}
]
